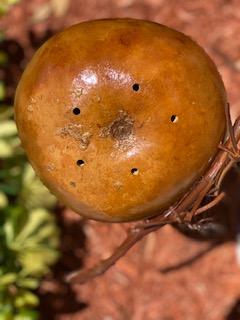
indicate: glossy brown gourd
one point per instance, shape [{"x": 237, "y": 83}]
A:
[{"x": 119, "y": 117}]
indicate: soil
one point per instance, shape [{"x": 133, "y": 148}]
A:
[{"x": 168, "y": 275}]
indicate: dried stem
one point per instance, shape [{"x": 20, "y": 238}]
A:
[
  {"x": 211, "y": 204},
  {"x": 134, "y": 235},
  {"x": 230, "y": 129},
  {"x": 184, "y": 210}
]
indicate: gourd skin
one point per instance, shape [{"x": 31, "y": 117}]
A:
[{"x": 142, "y": 146}]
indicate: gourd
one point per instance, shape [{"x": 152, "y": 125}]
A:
[{"x": 119, "y": 117}]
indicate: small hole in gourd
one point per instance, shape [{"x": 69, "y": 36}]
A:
[
  {"x": 80, "y": 163},
  {"x": 174, "y": 118},
  {"x": 73, "y": 184},
  {"x": 136, "y": 87},
  {"x": 134, "y": 171},
  {"x": 76, "y": 111}
]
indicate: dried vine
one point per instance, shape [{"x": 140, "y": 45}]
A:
[{"x": 183, "y": 211}]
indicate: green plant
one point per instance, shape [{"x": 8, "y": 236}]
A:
[{"x": 29, "y": 236}]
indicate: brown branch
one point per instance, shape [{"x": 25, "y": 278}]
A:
[
  {"x": 134, "y": 235},
  {"x": 211, "y": 204},
  {"x": 183, "y": 211},
  {"x": 225, "y": 170},
  {"x": 230, "y": 129}
]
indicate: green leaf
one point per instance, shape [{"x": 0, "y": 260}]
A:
[
  {"x": 3, "y": 200},
  {"x": 34, "y": 194},
  {"x": 31, "y": 299},
  {"x": 15, "y": 143},
  {"x": 10, "y": 189},
  {"x": 2, "y": 91},
  {"x": 8, "y": 128},
  {"x": 16, "y": 217},
  {"x": 44, "y": 233},
  {"x": 6, "y": 315},
  {"x": 36, "y": 262},
  {"x": 35, "y": 243},
  {"x": 8, "y": 279},
  {"x": 29, "y": 236},
  {"x": 36, "y": 218},
  {"x": 27, "y": 315},
  {"x": 9, "y": 232},
  {"x": 6, "y": 150},
  {"x": 26, "y": 298},
  {"x": 28, "y": 283},
  {"x": 6, "y": 113}
]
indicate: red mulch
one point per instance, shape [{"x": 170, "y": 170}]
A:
[{"x": 159, "y": 279}]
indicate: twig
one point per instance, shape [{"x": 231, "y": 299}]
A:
[
  {"x": 230, "y": 129},
  {"x": 219, "y": 180},
  {"x": 211, "y": 204},
  {"x": 134, "y": 235},
  {"x": 183, "y": 211}
]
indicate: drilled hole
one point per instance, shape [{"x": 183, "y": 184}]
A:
[
  {"x": 73, "y": 184},
  {"x": 174, "y": 118},
  {"x": 136, "y": 87},
  {"x": 80, "y": 163},
  {"x": 134, "y": 171},
  {"x": 76, "y": 111}
]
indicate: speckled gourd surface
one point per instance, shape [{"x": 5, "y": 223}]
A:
[{"x": 119, "y": 117}]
